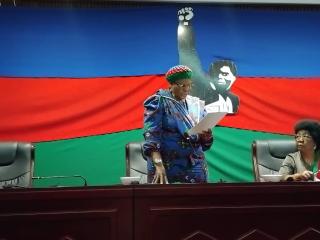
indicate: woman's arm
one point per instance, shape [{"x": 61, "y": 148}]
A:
[
  {"x": 288, "y": 170},
  {"x": 153, "y": 112}
]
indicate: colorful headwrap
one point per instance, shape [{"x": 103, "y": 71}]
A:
[{"x": 178, "y": 72}]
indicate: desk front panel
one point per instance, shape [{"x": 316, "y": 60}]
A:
[
  {"x": 66, "y": 214},
  {"x": 253, "y": 211},
  {"x": 256, "y": 211}
]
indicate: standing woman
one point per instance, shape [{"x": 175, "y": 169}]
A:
[
  {"x": 303, "y": 164},
  {"x": 173, "y": 155}
]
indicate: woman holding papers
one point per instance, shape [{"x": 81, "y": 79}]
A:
[
  {"x": 303, "y": 165},
  {"x": 172, "y": 154}
]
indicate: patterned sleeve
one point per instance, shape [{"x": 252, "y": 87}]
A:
[
  {"x": 288, "y": 166},
  {"x": 152, "y": 125}
]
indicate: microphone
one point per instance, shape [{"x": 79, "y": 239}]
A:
[
  {"x": 11, "y": 186},
  {"x": 71, "y": 176}
]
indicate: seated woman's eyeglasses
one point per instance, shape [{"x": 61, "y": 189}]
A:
[{"x": 302, "y": 136}]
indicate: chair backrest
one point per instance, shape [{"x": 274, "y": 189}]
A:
[
  {"x": 268, "y": 155},
  {"x": 136, "y": 164},
  {"x": 16, "y": 164}
]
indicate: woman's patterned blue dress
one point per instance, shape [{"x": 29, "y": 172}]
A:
[{"x": 166, "y": 122}]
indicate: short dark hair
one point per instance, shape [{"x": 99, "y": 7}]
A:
[
  {"x": 312, "y": 126},
  {"x": 215, "y": 67}
]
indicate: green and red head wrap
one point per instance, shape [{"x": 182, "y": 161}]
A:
[{"x": 178, "y": 72}]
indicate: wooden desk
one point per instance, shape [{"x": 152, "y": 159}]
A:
[
  {"x": 253, "y": 211},
  {"x": 66, "y": 213}
]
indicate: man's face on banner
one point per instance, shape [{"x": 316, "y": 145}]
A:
[{"x": 224, "y": 79}]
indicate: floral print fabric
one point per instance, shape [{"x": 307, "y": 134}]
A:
[{"x": 166, "y": 122}]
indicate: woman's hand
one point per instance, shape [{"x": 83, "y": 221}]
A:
[
  {"x": 160, "y": 173},
  {"x": 206, "y": 136},
  {"x": 304, "y": 176}
]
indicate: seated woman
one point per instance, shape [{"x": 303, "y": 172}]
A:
[
  {"x": 173, "y": 155},
  {"x": 303, "y": 164}
]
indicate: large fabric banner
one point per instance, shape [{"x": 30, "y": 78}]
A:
[{"x": 74, "y": 82}]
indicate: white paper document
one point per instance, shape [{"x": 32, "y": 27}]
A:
[{"x": 208, "y": 122}]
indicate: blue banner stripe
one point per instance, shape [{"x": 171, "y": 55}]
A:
[{"x": 128, "y": 41}]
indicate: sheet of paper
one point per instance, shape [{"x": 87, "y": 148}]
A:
[{"x": 208, "y": 122}]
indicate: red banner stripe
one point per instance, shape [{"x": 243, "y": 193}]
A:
[
  {"x": 44, "y": 109},
  {"x": 41, "y": 109},
  {"x": 274, "y": 104}
]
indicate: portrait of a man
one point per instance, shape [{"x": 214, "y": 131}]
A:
[{"x": 213, "y": 86}]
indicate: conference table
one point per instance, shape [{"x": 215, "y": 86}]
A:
[{"x": 219, "y": 211}]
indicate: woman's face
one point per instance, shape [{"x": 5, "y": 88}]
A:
[
  {"x": 181, "y": 89},
  {"x": 304, "y": 141}
]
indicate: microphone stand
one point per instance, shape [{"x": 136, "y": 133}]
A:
[{"x": 71, "y": 176}]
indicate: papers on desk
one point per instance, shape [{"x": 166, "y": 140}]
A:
[{"x": 208, "y": 122}]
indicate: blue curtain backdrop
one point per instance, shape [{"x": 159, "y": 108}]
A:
[{"x": 121, "y": 41}]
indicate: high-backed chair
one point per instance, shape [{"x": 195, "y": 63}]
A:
[
  {"x": 16, "y": 164},
  {"x": 268, "y": 155},
  {"x": 136, "y": 164}
]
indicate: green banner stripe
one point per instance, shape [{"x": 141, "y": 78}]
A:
[
  {"x": 101, "y": 159},
  {"x": 230, "y": 158}
]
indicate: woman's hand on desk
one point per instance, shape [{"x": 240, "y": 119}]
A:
[
  {"x": 160, "y": 175},
  {"x": 304, "y": 176}
]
